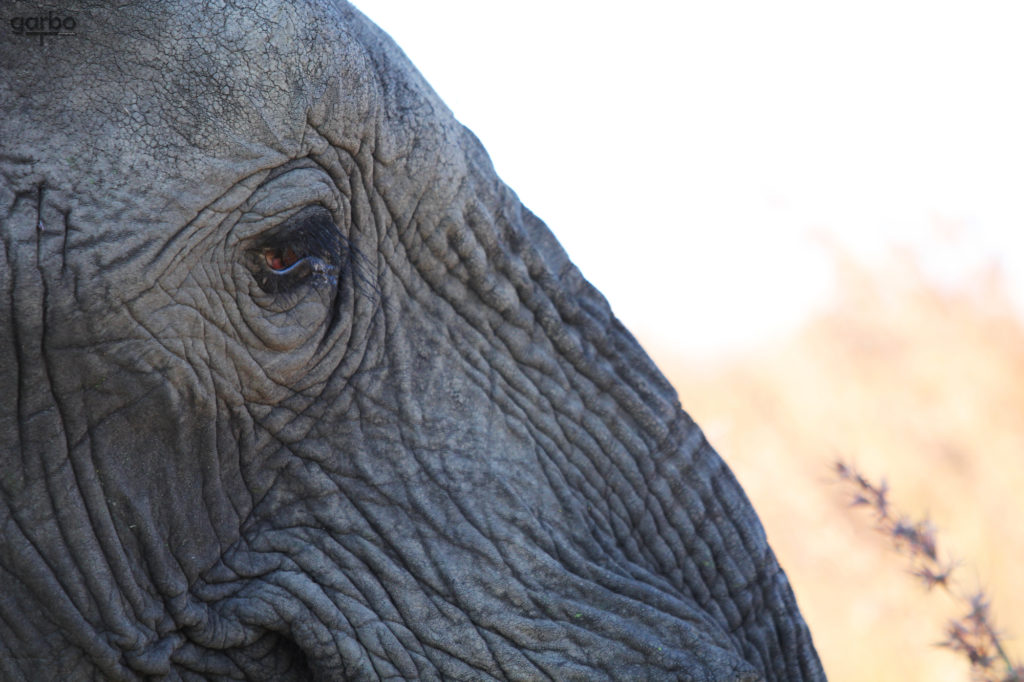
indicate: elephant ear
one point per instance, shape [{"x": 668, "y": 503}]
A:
[{"x": 645, "y": 492}]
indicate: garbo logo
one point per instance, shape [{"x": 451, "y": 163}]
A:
[{"x": 42, "y": 26}]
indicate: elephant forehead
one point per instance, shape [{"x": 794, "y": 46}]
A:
[{"x": 153, "y": 110}]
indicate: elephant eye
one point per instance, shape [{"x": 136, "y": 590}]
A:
[
  {"x": 307, "y": 249},
  {"x": 280, "y": 260}
]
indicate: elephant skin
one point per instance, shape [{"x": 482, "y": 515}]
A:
[{"x": 295, "y": 388}]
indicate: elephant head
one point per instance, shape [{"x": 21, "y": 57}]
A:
[{"x": 296, "y": 388}]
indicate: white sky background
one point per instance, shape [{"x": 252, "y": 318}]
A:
[{"x": 686, "y": 154}]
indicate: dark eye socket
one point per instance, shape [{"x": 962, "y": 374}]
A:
[{"x": 304, "y": 249}]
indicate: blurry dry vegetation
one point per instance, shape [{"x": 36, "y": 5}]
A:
[{"x": 912, "y": 383}]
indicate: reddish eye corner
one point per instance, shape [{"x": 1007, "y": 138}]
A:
[{"x": 280, "y": 259}]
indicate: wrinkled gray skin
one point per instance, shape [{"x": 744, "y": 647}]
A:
[{"x": 426, "y": 450}]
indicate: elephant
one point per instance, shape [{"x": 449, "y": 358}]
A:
[{"x": 296, "y": 388}]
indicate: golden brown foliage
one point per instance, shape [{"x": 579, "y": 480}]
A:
[{"x": 922, "y": 385}]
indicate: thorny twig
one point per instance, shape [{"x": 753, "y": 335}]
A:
[{"x": 973, "y": 634}]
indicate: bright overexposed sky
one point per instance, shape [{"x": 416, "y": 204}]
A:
[{"x": 688, "y": 154}]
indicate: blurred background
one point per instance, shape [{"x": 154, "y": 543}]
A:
[{"x": 812, "y": 218}]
